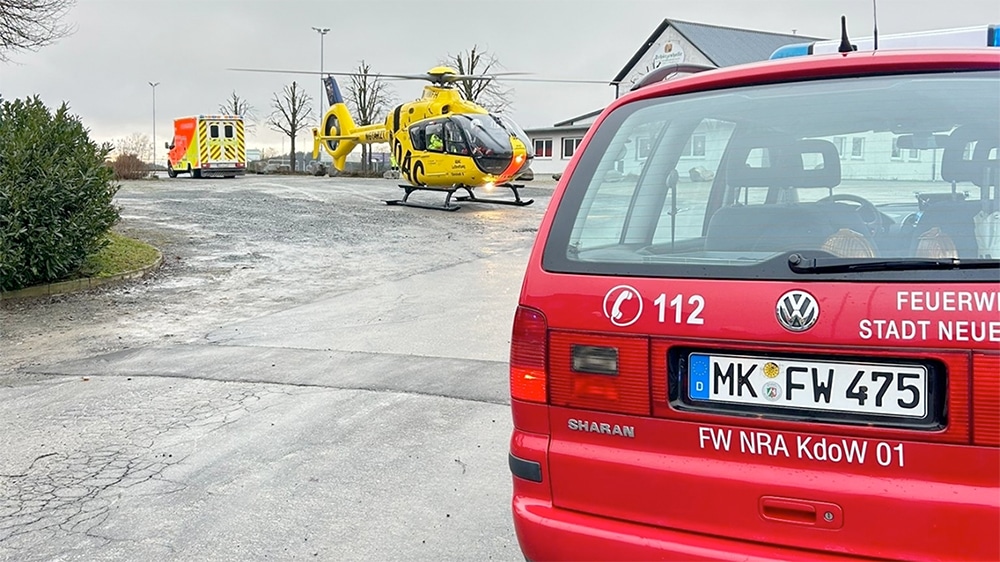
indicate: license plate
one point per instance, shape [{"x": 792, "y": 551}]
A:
[{"x": 864, "y": 388}]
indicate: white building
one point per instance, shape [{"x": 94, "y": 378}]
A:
[{"x": 672, "y": 42}]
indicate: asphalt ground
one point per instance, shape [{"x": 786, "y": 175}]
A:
[{"x": 310, "y": 374}]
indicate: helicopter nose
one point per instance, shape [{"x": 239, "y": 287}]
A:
[{"x": 517, "y": 161}]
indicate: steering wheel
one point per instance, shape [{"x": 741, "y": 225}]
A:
[{"x": 866, "y": 210}]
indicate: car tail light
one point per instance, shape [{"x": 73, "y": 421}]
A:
[
  {"x": 986, "y": 399},
  {"x": 607, "y": 373},
  {"x": 528, "y": 377}
]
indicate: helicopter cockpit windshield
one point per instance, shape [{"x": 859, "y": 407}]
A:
[
  {"x": 513, "y": 129},
  {"x": 489, "y": 139}
]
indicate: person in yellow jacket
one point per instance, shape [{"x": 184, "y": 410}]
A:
[{"x": 434, "y": 142}]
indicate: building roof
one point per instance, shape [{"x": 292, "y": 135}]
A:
[
  {"x": 724, "y": 46},
  {"x": 578, "y": 124},
  {"x": 574, "y": 130},
  {"x": 584, "y": 120}
]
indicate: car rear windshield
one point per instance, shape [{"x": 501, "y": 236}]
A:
[{"x": 881, "y": 177}]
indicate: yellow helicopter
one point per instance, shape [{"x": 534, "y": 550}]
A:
[{"x": 440, "y": 142}]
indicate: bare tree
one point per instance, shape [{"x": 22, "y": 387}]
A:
[
  {"x": 292, "y": 111},
  {"x": 369, "y": 97},
  {"x": 487, "y": 93},
  {"x": 131, "y": 156},
  {"x": 26, "y": 25},
  {"x": 235, "y": 105},
  {"x": 268, "y": 152},
  {"x": 136, "y": 144}
]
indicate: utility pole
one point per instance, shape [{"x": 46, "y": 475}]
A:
[
  {"x": 153, "y": 163},
  {"x": 322, "y": 87}
]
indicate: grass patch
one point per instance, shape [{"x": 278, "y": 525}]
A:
[{"x": 122, "y": 254}]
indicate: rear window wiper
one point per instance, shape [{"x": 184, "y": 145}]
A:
[{"x": 799, "y": 264}]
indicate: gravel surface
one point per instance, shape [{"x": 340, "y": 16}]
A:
[
  {"x": 311, "y": 374},
  {"x": 238, "y": 249}
]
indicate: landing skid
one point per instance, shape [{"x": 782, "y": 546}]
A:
[
  {"x": 517, "y": 202},
  {"x": 450, "y": 192}
]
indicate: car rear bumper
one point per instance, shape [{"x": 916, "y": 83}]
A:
[
  {"x": 206, "y": 172},
  {"x": 546, "y": 532}
]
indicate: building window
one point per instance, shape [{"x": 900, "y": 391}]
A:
[
  {"x": 695, "y": 147},
  {"x": 858, "y": 147},
  {"x": 841, "y": 144},
  {"x": 543, "y": 148},
  {"x": 642, "y": 148},
  {"x": 912, "y": 154},
  {"x": 570, "y": 146}
]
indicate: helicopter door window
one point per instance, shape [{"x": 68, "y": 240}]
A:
[
  {"x": 454, "y": 142},
  {"x": 417, "y": 138},
  {"x": 434, "y": 138}
]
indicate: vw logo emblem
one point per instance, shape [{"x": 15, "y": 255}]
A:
[
  {"x": 797, "y": 311},
  {"x": 622, "y": 305}
]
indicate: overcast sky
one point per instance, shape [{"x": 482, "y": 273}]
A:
[{"x": 104, "y": 68}]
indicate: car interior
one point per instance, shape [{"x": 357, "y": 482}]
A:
[
  {"x": 776, "y": 208},
  {"x": 840, "y": 222},
  {"x": 934, "y": 225}
]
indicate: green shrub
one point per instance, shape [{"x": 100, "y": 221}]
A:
[{"x": 55, "y": 194}]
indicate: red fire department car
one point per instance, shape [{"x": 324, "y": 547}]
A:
[{"x": 796, "y": 356}]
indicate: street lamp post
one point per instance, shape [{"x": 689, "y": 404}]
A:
[
  {"x": 153, "y": 164},
  {"x": 322, "y": 88}
]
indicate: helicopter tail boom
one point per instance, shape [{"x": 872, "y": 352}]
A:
[{"x": 338, "y": 134}]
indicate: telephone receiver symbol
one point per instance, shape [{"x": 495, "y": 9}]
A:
[{"x": 616, "y": 313}]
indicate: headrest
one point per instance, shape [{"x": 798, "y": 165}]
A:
[
  {"x": 824, "y": 174},
  {"x": 954, "y": 166},
  {"x": 787, "y": 166}
]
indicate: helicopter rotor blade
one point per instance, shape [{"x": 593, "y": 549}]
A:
[
  {"x": 517, "y": 77},
  {"x": 436, "y": 78},
  {"x": 559, "y": 80},
  {"x": 317, "y": 73},
  {"x": 452, "y": 78}
]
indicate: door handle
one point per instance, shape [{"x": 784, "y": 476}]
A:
[{"x": 823, "y": 515}]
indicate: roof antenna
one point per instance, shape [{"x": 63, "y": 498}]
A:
[
  {"x": 845, "y": 43},
  {"x": 875, "y": 23}
]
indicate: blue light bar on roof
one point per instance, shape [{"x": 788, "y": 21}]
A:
[
  {"x": 962, "y": 38},
  {"x": 795, "y": 50}
]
